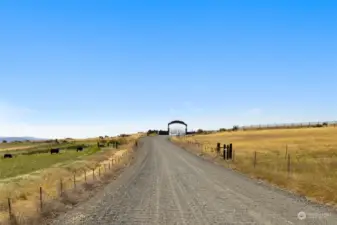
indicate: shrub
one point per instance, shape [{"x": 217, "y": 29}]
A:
[
  {"x": 235, "y": 128},
  {"x": 200, "y": 131}
]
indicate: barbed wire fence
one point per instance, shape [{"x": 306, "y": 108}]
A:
[
  {"x": 282, "y": 158},
  {"x": 80, "y": 180}
]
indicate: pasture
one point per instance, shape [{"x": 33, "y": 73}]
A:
[
  {"x": 33, "y": 156},
  {"x": 302, "y": 160},
  {"x": 22, "y": 164},
  {"x": 32, "y": 168}
]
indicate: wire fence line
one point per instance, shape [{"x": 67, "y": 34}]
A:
[
  {"x": 81, "y": 180},
  {"x": 289, "y": 125},
  {"x": 284, "y": 160},
  {"x": 264, "y": 127}
]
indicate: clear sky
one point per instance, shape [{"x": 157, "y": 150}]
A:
[{"x": 79, "y": 68}]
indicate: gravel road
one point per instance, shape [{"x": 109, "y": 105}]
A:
[{"x": 168, "y": 185}]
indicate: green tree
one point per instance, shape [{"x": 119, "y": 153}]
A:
[
  {"x": 235, "y": 128},
  {"x": 200, "y": 131}
]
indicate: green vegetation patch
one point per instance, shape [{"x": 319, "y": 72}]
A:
[{"x": 23, "y": 164}]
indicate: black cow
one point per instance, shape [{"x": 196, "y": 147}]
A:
[
  {"x": 8, "y": 156},
  {"x": 54, "y": 150},
  {"x": 79, "y": 149}
]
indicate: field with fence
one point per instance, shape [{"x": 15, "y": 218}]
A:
[
  {"x": 289, "y": 125},
  {"x": 301, "y": 160},
  {"x": 35, "y": 183}
]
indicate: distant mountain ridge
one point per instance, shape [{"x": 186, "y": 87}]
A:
[{"x": 11, "y": 139}]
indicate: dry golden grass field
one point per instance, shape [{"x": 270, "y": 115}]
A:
[
  {"x": 302, "y": 160},
  {"x": 22, "y": 176}
]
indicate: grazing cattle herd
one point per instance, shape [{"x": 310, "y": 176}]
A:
[
  {"x": 78, "y": 148},
  {"x": 8, "y": 155},
  {"x": 52, "y": 151}
]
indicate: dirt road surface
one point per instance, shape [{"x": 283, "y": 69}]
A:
[{"x": 168, "y": 185}]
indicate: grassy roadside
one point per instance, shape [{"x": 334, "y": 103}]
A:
[
  {"x": 91, "y": 169},
  {"x": 303, "y": 161}
]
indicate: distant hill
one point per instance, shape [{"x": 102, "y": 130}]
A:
[{"x": 11, "y": 139}]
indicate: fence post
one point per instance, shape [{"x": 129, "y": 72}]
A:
[
  {"x": 61, "y": 187},
  {"x": 41, "y": 204},
  {"x": 218, "y": 148},
  {"x": 74, "y": 180},
  {"x": 93, "y": 174},
  {"x": 286, "y": 151},
  {"x": 224, "y": 152},
  {"x": 288, "y": 165},
  {"x": 254, "y": 159},
  {"x": 10, "y": 209},
  {"x": 99, "y": 171},
  {"x": 85, "y": 176},
  {"x": 230, "y": 151}
]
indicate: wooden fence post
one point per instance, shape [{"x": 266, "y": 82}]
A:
[
  {"x": 230, "y": 151},
  {"x": 99, "y": 171},
  {"x": 74, "y": 177},
  {"x": 288, "y": 165},
  {"x": 224, "y": 152},
  {"x": 254, "y": 159},
  {"x": 286, "y": 151},
  {"x": 93, "y": 174},
  {"x": 10, "y": 209},
  {"x": 41, "y": 202},
  {"x": 61, "y": 187}
]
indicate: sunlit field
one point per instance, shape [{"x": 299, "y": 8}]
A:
[
  {"x": 23, "y": 175},
  {"x": 302, "y": 160}
]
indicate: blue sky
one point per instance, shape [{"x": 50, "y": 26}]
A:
[{"x": 89, "y": 68}]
